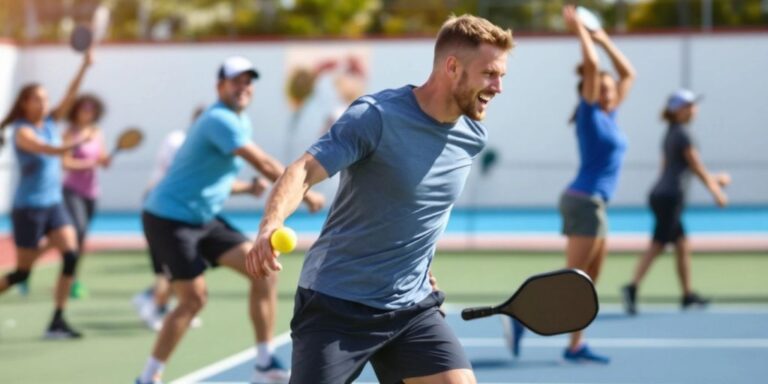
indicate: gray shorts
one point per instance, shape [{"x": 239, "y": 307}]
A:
[
  {"x": 583, "y": 215},
  {"x": 334, "y": 338}
]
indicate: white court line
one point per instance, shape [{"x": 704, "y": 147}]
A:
[
  {"x": 718, "y": 343},
  {"x": 229, "y": 362},
  {"x": 285, "y": 338}
]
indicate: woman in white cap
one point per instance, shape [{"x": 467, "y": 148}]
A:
[{"x": 667, "y": 198}]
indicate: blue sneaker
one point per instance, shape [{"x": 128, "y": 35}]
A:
[
  {"x": 274, "y": 373},
  {"x": 513, "y": 333},
  {"x": 584, "y": 355}
]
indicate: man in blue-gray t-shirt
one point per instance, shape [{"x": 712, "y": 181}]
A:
[
  {"x": 185, "y": 232},
  {"x": 404, "y": 156}
]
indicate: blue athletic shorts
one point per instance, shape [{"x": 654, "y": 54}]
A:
[
  {"x": 30, "y": 224},
  {"x": 334, "y": 338}
]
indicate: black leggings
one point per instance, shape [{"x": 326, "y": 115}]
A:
[
  {"x": 668, "y": 212},
  {"x": 81, "y": 210}
]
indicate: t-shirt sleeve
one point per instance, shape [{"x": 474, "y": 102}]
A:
[
  {"x": 682, "y": 140},
  {"x": 353, "y": 137},
  {"x": 224, "y": 132}
]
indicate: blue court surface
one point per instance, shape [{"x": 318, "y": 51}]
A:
[{"x": 664, "y": 345}]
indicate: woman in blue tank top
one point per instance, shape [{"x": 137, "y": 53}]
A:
[
  {"x": 601, "y": 150},
  {"x": 40, "y": 221}
]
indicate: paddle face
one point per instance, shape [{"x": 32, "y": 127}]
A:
[
  {"x": 553, "y": 303},
  {"x": 548, "y": 304},
  {"x": 81, "y": 38},
  {"x": 129, "y": 139},
  {"x": 100, "y": 22},
  {"x": 588, "y": 18}
]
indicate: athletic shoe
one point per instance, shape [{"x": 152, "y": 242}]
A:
[
  {"x": 61, "y": 330},
  {"x": 274, "y": 373},
  {"x": 138, "y": 381},
  {"x": 629, "y": 296},
  {"x": 23, "y": 288},
  {"x": 78, "y": 290},
  {"x": 141, "y": 300},
  {"x": 694, "y": 299},
  {"x": 584, "y": 355},
  {"x": 513, "y": 333}
]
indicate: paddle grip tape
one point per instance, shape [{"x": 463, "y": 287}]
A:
[
  {"x": 476, "y": 312},
  {"x": 17, "y": 276},
  {"x": 69, "y": 263}
]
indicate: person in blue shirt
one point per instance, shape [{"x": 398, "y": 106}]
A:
[
  {"x": 667, "y": 198},
  {"x": 40, "y": 220},
  {"x": 185, "y": 232},
  {"x": 404, "y": 155},
  {"x": 601, "y": 145}
]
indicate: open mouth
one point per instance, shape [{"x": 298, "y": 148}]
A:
[{"x": 484, "y": 99}]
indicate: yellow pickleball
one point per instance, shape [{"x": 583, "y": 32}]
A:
[{"x": 283, "y": 240}]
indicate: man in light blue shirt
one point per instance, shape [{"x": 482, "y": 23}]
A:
[
  {"x": 185, "y": 233},
  {"x": 404, "y": 156}
]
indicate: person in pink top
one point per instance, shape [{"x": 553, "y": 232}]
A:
[{"x": 81, "y": 183}]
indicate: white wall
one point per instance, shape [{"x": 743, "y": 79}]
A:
[
  {"x": 157, "y": 86},
  {"x": 8, "y": 60}
]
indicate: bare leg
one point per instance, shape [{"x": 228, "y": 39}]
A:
[
  {"x": 454, "y": 376},
  {"x": 263, "y": 294},
  {"x": 582, "y": 252},
  {"x": 192, "y": 297},
  {"x": 644, "y": 264},
  {"x": 683, "y": 254},
  {"x": 25, "y": 259},
  {"x": 161, "y": 291}
]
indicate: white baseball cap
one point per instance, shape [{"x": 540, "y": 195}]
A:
[
  {"x": 682, "y": 98},
  {"x": 235, "y": 66}
]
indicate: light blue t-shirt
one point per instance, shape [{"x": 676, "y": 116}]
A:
[
  {"x": 401, "y": 172},
  {"x": 200, "y": 178},
  {"x": 601, "y": 151},
  {"x": 39, "y": 174}
]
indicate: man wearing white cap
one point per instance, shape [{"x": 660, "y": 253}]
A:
[
  {"x": 667, "y": 198},
  {"x": 184, "y": 230}
]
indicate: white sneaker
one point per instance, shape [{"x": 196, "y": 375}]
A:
[
  {"x": 274, "y": 373},
  {"x": 140, "y": 301}
]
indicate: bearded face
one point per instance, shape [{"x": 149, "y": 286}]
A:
[{"x": 480, "y": 80}]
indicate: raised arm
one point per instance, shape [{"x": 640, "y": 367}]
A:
[
  {"x": 620, "y": 62},
  {"x": 29, "y": 142},
  {"x": 590, "y": 90},
  {"x": 62, "y": 109},
  {"x": 272, "y": 170},
  {"x": 285, "y": 197},
  {"x": 713, "y": 183}
]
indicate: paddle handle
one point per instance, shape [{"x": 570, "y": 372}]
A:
[{"x": 477, "y": 312}]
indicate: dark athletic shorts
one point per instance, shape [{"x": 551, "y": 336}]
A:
[
  {"x": 583, "y": 215},
  {"x": 334, "y": 338},
  {"x": 32, "y": 224},
  {"x": 668, "y": 212},
  {"x": 186, "y": 250}
]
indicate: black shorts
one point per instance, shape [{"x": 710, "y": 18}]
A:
[
  {"x": 334, "y": 338},
  {"x": 186, "y": 250},
  {"x": 668, "y": 212},
  {"x": 30, "y": 224}
]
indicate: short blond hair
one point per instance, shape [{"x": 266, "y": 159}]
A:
[{"x": 468, "y": 31}]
